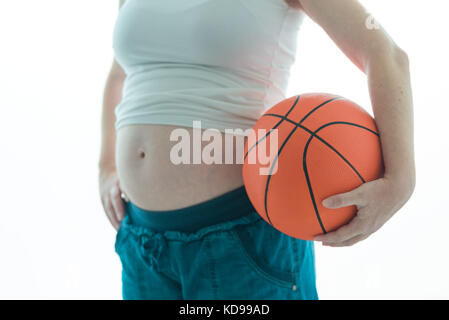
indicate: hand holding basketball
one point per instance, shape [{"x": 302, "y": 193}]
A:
[
  {"x": 321, "y": 147},
  {"x": 376, "y": 201}
]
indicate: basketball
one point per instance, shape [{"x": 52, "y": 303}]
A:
[{"x": 304, "y": 149}]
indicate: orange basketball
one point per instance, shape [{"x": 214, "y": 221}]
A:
[{"x": 325, "y": 145}]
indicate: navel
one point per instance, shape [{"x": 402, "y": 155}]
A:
[{"x": 141, "y": 153}]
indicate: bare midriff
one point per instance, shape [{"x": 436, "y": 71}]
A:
[{"x": 150, "y": 179}]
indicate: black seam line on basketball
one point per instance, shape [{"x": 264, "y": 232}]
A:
[
  {"x": 319, "y": 106},
  {"x": 277, "y": 125},
  {"x": 271, "y": 171},
  {"x": 309, "y": 185}
]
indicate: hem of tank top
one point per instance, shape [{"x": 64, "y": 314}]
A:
[{"x": 186, "y": 124}]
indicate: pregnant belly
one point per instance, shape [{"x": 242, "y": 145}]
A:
[{"x": 151, "y": 179}]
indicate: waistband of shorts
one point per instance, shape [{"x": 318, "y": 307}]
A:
[{"x": 228, "y": 206}]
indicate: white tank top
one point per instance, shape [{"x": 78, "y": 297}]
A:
[{"x": 222, "y": 62}]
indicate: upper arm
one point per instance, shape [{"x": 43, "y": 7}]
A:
[
  {"x": 347, "y": 24},
  {"x": 116, "y": 70}
]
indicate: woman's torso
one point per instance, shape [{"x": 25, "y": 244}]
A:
[
  {"x": 152, "y": 181},
  {"x": 220, "y": 62}
]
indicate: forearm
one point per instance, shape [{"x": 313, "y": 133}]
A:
[
  {"x": 112, "y": 96},
  {"x": 391, "y": 97}
]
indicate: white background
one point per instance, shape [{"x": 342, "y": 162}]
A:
[{"x": 55, "y": 241}]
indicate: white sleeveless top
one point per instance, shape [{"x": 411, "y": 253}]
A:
[{"x": 223, "y": 62}]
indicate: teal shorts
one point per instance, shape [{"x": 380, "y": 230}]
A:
[{"x": 217, "y": 249}]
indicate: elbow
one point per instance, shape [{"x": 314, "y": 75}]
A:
[
  {"x": 389, "y": 55},
  {"x": 400, "y": 57}
]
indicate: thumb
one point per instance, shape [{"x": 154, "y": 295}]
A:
[{"x": 350, "y": 198}]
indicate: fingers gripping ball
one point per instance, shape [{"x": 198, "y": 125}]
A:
[{"x": 326, "y": 145}]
